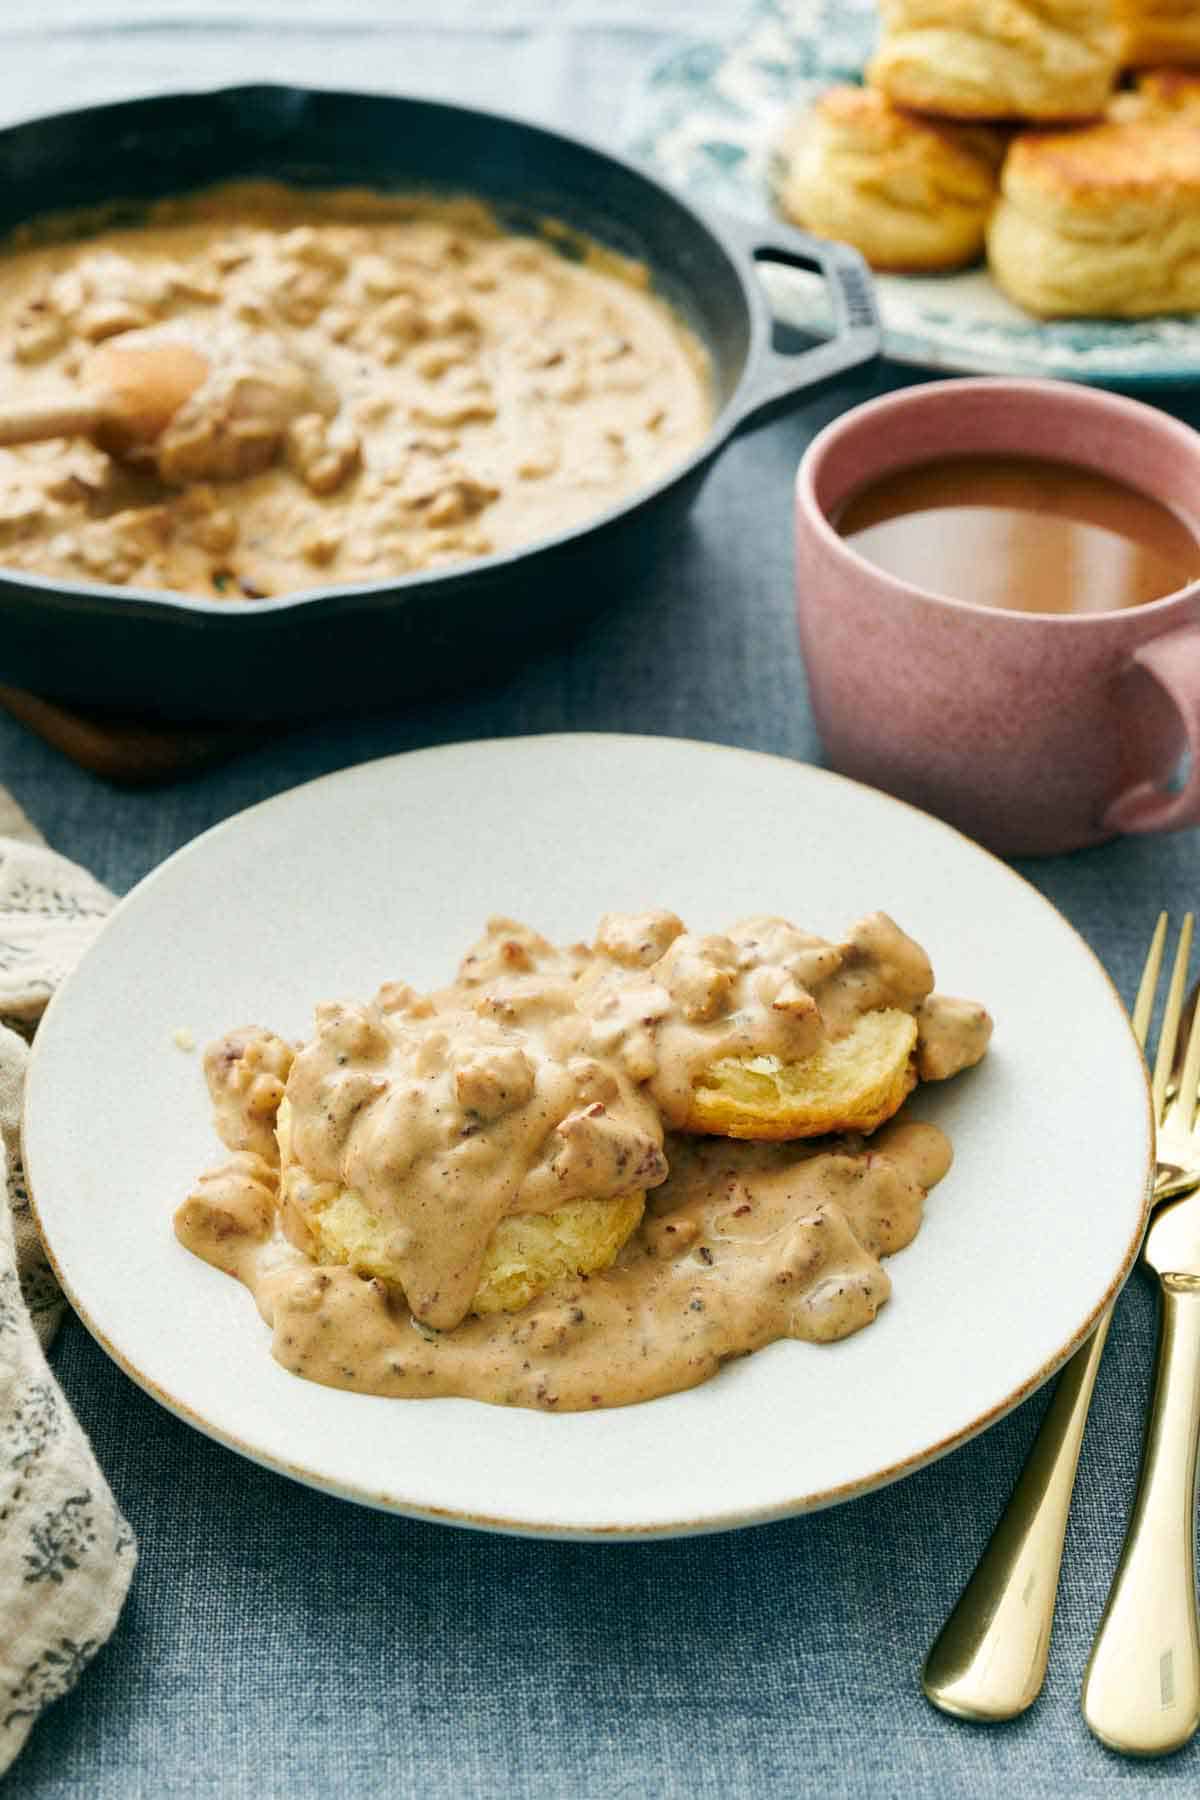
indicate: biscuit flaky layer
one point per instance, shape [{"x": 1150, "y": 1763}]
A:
[
  {"x": 1104, "y": 221},
  {"x": 528, "y": 1252},
  {"x": 911, "y": 194},
  {"x": 1044, "y": 60},
  {"x": 852, "y": 1083}
]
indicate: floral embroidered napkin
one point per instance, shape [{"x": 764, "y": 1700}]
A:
[{"x": 66, "y": 1554}]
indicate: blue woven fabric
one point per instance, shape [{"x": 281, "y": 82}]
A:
[{"x": 278, "y": 1642}]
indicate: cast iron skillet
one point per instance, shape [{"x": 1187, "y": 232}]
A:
[{"x": 336, "y": 648}]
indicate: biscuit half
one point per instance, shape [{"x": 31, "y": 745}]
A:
[
  {"x": 912, "y": 195},
  {"x": 526, "y": 1253},
  {"x": 852, "y": 1083}
]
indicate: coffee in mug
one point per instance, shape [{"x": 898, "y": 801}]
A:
[
  {"x": 1034, "y": 729},
  {"x": 1022, "y": 533}
]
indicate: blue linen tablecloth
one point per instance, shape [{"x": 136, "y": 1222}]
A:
[{"x": 278, "y": 1642}]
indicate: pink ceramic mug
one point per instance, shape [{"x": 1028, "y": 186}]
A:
[{"x": 1034, "y": 732}]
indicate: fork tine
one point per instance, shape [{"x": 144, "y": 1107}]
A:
[
  {"x": 1143, "y": 1006},
  {"x": 1189, "y": 1080},
  {"x": 1170, "y": 1024}
]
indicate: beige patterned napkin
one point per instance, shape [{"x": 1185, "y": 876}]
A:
[{"x": 66, "y": 1554}]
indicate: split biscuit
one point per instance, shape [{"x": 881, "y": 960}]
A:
[
  {"x": 1101, "y": 222},
  {"x": 913, "y": 195},
  {"x": 1044, "y": 60},
  {"x": 814, "y": 1038},
  {"x": 526, "y": 1253},
  {"x": 851, "y": 1083}
]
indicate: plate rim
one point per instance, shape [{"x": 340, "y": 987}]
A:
[{"x": 592, "y": 1532}]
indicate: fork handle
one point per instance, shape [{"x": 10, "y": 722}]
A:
[
  {"x": 989, "y": 1660},
  {"x": 1141, "y": 1690}
]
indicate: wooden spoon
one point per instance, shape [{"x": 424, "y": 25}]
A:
[
  {"x": 135, "y": 386},
  {"x": 130, "y": 394}
]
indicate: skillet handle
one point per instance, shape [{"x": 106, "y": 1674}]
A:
[{"x": 775, "y": 379}]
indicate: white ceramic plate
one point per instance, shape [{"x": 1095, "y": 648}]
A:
[
  {"x": 389, "y": 870},
  {"x": 708, "y": 115}
]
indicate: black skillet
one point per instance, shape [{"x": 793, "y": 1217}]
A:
[{"x": 336, "y": 648}]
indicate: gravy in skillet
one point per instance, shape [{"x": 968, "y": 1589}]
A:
[{"x": 488, "y": 389}]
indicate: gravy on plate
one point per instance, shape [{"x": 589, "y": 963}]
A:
[{"x": 376, "y": 1165}]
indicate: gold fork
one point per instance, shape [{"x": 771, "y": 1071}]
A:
[
  {"x": 989, "y": 1660},
  {"x": 1141, "y": 1690}
]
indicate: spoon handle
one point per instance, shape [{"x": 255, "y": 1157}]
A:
[
  {"x": 1141, "y": 1691},
  {"x": 989, "y": 1660},
  {"x": 71, "y": 416}
]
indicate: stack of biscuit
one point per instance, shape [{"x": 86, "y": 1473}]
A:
[{"x": 1000, "y": 127}]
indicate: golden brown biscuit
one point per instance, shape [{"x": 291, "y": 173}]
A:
[
  {"x": 911, "y": 194},
  {"x": 996, "y": 59},
  {"x": 852, "y": 1083},
  {"x": 1103, "y": 221},
  {"x": 526, "y": 1253},
  {"x": 1159, "y": 31}
]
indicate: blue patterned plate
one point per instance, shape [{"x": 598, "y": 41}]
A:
[{"x": 708, "y": 115}]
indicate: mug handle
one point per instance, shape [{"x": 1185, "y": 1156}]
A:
[
  {"x": 1174, "y": 662},
  {"x": 775, "y": 379}
]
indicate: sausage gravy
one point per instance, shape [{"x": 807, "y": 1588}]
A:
[
  {"x": 542, "y": 1079},
  {"x": 478, "y": 389}
]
